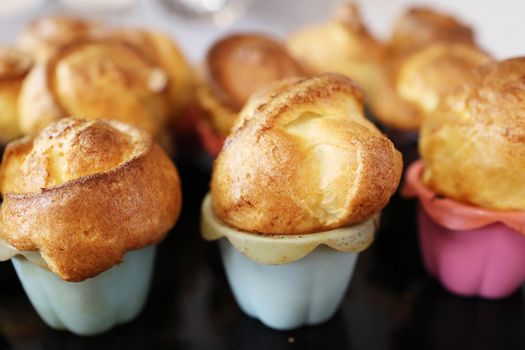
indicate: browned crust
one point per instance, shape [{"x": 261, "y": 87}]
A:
[
  {"x": 40, "y": 104},
  {"x": 342, "y": 44},
  {"x": 416, "y": 80},
  {"x": 85, "y": 226},
  {"x": 238, "y": 64},
  {"x": 163, "y": 50},
  {"x": 14, "y": 64},
  {"x": 419, "y": 26},
  {"x": 473, "y": 145},
  {"x": 44, "y": 35},
  {"x": 302, "y": 158}
]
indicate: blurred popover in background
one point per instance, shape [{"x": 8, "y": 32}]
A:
[
  {"x": 235, "y": 66},
  {"x": 14, "y": 66}
]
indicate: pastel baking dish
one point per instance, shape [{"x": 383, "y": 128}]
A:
[
  {"x": 472, "y": 251},
  {"x": 288, "y": 281}
]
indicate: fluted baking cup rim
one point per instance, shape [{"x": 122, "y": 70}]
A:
[
  {"x": 7, "y": 252},
  {"x": 452, "y": 214},
  {"x": 286, "y": 249}
]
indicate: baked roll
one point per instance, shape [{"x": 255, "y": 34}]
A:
[
  {"x": 419, "y": 26},
  {"x": 473, "y": 144},
  {"x": 307, "y": 140},
  {"x": 429, "y": 52},
  {"x": 343, "y": 45},
  {"x": 14, "y": 66},
  {"x": 416, "y": 81},
  {"x": 470, "y": 184},
  {"x": 95, "y": 79},
  {"x": 43, "y": 36},
  {"x": 296, "y": 190},
  {"x": 164, "y": 51},
  {"x": 234, "y": 68},
  {"x": 86, "y": 202}
]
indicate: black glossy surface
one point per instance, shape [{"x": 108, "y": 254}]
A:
[{"x": 391, "y": 303}]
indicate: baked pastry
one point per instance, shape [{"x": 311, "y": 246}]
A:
[
  {"x": 343, "y": 45},
  {"x": 44, "y": 35},
  {"x": 95, "y": 79},
  {"x": 234, "y": 68},
  {"x": 162, "y": 50},
  {"x": 419, "y": 26},
  {"x": 472, "y": 145},
  {"x": 416, "y": 81},
  {"x": 470, "y": 184},
  {"x": 301, "y": 168},
  {"x": 428, "y": 53},
  {"x": 77, "y": 207},
  {"x": 14, "y": 66}
]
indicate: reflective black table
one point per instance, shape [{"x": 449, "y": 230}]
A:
[{"x": 391, "y": 302}]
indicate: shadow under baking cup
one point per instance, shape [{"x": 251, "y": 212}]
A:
[
  {"x": 470, "y": 250},
  {"x": 92, "y": 306},
  {"x": 249, "y": 334},
  {"x": 440, "y": 320}
]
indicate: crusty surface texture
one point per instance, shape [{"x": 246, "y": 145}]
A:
[
  {"x": 44, "y": 35},
  {"x": 342, "y": 44},
  {"x": 83, "y": 193},
  {"x": 417, "y": 80},
  {"x": 96, "y": 79},
  {"x": 473, "y": 145},
  {"x": 14, "y": 66},
  {"x": 302, "y": 158},
  {"x": 235, "y": 67},
  {"x": 419, "y": 26},
  {"x": 428, "y": 74}
]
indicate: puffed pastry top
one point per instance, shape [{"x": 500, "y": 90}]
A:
[
  {"x": 44, "y": 35},
  {"x": 235, "y": 67},
  {"x": 14, "y": 66},
  {"x": 83, "y": 193},
  {"x": 302, "y": 158},
  {"x": 416, "y": 81},
  {"x": 343, "y": 45},
  {"x": 473, "y": 145},
  {"x": 161, "y": 49},
  {"x": 96, "y": 79},
  {"x": 419, "y": 26}
]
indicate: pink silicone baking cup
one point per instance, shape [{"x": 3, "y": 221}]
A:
[{"x": 472, "y": 251}]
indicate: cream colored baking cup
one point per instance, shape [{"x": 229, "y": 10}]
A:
[
  {"x": 7, "y": 251},
  {"x": 285, "y": 249}
]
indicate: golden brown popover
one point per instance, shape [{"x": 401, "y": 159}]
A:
[
  {"x": 416, "y": 81},
  {"x": 83, "y": 193},
  {"x": 14, "y": 66},
  {"x": 419, "y": 26},
  {"x": 163, "y": 50},
  {"x": 95, "y": 79},
  {"x": 473, "y": 145},
  {"x": 302, "y": 158},
  {"x": 44, "y": 35},
  {"x": 234, "y": 68},
  {"x": 343, "y": 45}
]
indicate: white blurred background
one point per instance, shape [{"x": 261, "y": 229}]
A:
[{"x": 498, "y": 24}]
